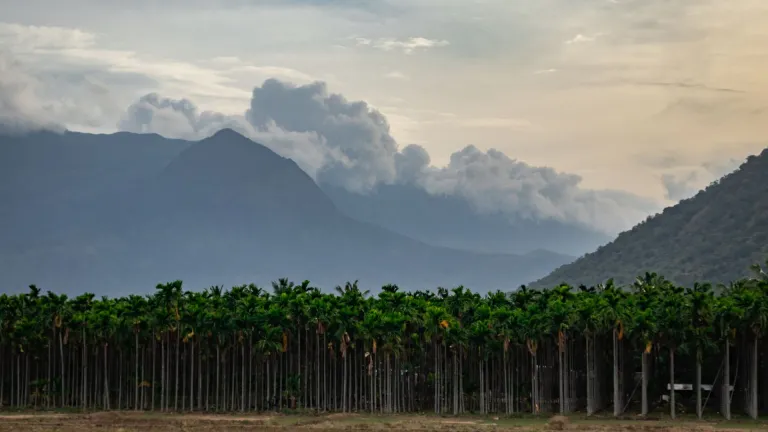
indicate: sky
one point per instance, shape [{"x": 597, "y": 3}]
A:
[{"x": 629, "y": 105}]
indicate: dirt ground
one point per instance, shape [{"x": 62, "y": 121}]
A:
[{"x": 128, "y": 421}]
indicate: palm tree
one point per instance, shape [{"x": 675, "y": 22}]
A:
[{"x": 450, "y": 351}]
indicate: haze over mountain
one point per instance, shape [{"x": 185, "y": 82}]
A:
[
  {"x": 448, "y": 220},
  {"x": 715, "y": 236},
  {"x": 121, "y": 212}
]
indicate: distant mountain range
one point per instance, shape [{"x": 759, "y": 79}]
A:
[
  {"x": 713, "y": 237},
  {"x": 450, "y": 221},
  {"x": 122, "y": 212}
]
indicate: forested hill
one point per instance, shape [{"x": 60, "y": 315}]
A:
[{"x": 714, "y": 236}]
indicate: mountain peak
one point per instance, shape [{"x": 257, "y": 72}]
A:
[{"x": 227, "y": 133}]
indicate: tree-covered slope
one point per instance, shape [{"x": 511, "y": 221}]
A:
[{"x": 714, "y": 236}]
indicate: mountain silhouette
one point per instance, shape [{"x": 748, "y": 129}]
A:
[{"x": 122, "y": 212}]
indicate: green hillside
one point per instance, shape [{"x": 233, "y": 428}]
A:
[{"x": 714, "y": 236}]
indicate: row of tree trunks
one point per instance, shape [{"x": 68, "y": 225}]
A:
[{"x": 234, "y": 374}]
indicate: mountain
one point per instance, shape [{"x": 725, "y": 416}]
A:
[
  {"x": 109, "y": 213},
  {"x": 714, "y": 236},
  {"x": 451, "y": 221}
]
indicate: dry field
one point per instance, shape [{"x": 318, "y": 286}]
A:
[{"x": 125, "y": 422}]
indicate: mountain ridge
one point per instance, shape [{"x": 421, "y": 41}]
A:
[
  {"x": 714, "y": 236},
  {"x": 220, "y": 210}
]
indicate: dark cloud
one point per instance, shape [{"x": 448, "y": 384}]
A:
[{"x": 348, "y": 144}]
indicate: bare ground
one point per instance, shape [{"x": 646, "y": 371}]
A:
[{"x": 144, "y": 422}]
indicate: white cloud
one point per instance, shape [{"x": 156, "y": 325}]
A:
[
  {"x": 396, "y": 75},
  {"x": 32, "y": 38},
  {"x": 407, "y": 46},
  {"x": 580, "y": 38}
]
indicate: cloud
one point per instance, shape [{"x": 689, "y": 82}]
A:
[
  {"x": 352, "y": 130},
  {"x": 348, "y": 144},
  {"x": 20, "y": 107},
  {"x": 580, "y": 38},
  {"x": 396, "y": 75},
  {"x": 688, "y": 182},
  {"x": 407, "y": 46},
  {"x": 181, "y": 118},
  {"x": 493, "y": 182},
  {"x": 29, "y": 38}
]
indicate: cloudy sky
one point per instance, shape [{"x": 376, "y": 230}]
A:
[{"x": 649, "y": 98}]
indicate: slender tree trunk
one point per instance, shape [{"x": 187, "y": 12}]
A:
[
  {"x": 63, "y": 374},
  {"x": 106, "y": 378},
  {"x": 644, "y": 390},
  {"x": 154, "y": 364},
  {"x": 218, "y": 378},
  {"x": 753, "y": 408},
  {"x": 162, "y": 375},
  {"x": 726, "y": 391},
  {"x": 176, "y": 379},
  {"x": 697, "y": 384},
  {"x": 192, "y": 373},
  {"x": 672, "y": 383},
  {"x": 242, "y": 377},
  {"x": 136, "y": 380},
  {"x": 85, "y": 372},
  {"x": 561, "y": 373},
  {"x": 616, "y": 388}
]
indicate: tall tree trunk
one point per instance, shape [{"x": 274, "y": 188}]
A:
[
  {"x": 616, "y": 388},
  {"x": 63, "y": 374},
  {"x": 192, "y": 373},
  {"x": 106, "y": 378},
  {"x": 176, "y": 379},
  {"x": 242, "y": 377},
  {"x": 726, "y": 390},
  {"x": 154, "y": 364},
  {"x": 561, "y": 373},
  {"x": 136, "y": 379},
  {"x": 697, "y": 383},
  {"x": 672, "y": 383},
  {"x": 753, "y": 408},
  {"x": 162, "y": 375},
  {"x": 85, "y": 372},
  {"x": 644, "y": 390},
  {"x": 217, "y": 401}
]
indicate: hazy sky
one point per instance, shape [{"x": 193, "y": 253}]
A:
[{"x": 652, "y": 97}]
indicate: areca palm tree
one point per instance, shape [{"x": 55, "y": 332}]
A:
[{"x": 448, "y": 351}]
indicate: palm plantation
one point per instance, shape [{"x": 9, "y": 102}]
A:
[{"x": 593, "y": 349}]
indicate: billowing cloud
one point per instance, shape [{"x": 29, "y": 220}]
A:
[
  {"x": 348, "y": 144},
  {"x": 493, "y": 182},
  {"x": 352, "y": 130}
]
